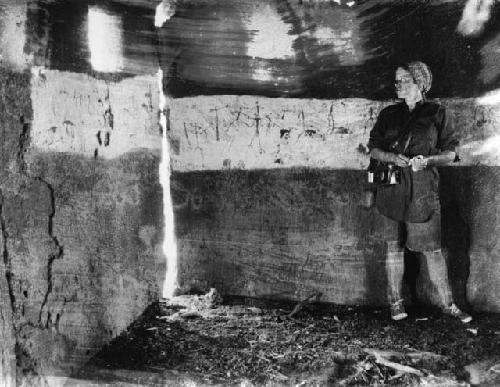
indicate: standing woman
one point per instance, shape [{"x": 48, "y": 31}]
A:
[{"x": 417, "y": 136}]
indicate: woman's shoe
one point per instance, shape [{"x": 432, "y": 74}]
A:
[
  {"x": 454, "y": 311},
  {"x": 398, "y": 311}
]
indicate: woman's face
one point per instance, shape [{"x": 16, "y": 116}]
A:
[{"x": 406, "y": 88}]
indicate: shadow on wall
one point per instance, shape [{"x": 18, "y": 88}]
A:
[
  {"x": 456, "y": 207},
  {"x": 285, "y": 233}
]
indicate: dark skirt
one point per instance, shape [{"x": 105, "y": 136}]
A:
[
  {"x": 415, "y": 199},
  {"x": 414, "y": 236}
]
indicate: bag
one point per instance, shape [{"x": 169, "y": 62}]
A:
[{"x": 380, "y": 173}]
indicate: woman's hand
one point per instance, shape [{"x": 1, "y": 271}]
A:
[
  {"x": 419, "y": 163},
  {"x": 389, "y": 157},
  {"x": 400, "y": 160}
]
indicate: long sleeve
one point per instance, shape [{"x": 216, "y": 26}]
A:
[
  {"x": 447, "y": 135},
  {"x": 377, "y": 139}
]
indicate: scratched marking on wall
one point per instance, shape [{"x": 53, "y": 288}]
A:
[
  {"x": 106, "y": 119},
  {"x": 248, "y": 132},
  {"x": 229, "y": 132},
  {"x": 74, "y": 113}
]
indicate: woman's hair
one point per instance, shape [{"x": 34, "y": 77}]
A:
[{"x": 421, "y": 75}]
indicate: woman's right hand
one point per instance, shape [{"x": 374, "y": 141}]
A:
[
  {"x": 400, "y": 160},
  {"x": 389, "y": 157}
]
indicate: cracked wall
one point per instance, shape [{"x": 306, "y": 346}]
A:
[
  {"x": 268, "y": 200},
  {"x": 80, "y": 205},
  {"x": 268, "y": 194},
  {"x": 81, "y": 221}
]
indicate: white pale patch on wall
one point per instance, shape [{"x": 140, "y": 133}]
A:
[
  {"x": 490, "y": 98},
  {"x": 105, "y": 41},
  {"x": 78, "y": 114},
  {"x": 164, "y": 11},
  {"x": 475, "y": 15},
  {"x": 490, "y": 146},
  {"x": 13, "y": 34},
  {"x": 484, "y": 147},
  {"x": 271, "y": 38},
  {"x": 337, "y": 36},
  {"x": 262, "y": 73},
  {"x": 342, "y": 42}
]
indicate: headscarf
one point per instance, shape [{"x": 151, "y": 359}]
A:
[{"x": 421, "y": 75}]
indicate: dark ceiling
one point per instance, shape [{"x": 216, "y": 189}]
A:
[{"x": 296, "y": 48}]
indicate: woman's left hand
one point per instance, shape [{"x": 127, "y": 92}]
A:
[{"x": 419, "y": 163}]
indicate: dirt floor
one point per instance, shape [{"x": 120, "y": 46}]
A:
[{"x": 197, "y": 341}]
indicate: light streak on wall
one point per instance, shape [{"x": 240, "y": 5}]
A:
[
  {"x": 490, "y": 147},
  {"x": 490, "y": 98},
  {"x": 105, "y": 41},
  {"x": 271, "y": 37},
  {"x": 169, "y": 242},
  {"x": 261, "y": 73},
  {"x": 164, "y": 11},
  {"x": 475, "y": 15}
]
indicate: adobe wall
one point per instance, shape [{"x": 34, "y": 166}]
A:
[
  {"x": 80, "y": 206},
  {"x": 269, "y": 199},
  {"x": 268, "y": 203},
  {"x": 81, "y": 216}
]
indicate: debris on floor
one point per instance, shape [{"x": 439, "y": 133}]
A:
[
  {"x": 485, "y": 372},
  {"x": 197, "y": 340}
]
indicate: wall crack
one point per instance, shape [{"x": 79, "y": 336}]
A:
[
  {"x": 58, "y": 250},
  {"x": 5, "y": 253}
]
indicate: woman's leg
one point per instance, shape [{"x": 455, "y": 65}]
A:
[
  {"x": 438, "y": 275},
  {"x": 389, "y": 231},
  {"x": 394, "y": 268},
  {"x": 426, "y": 239}
]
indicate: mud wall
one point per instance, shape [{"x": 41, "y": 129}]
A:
[
  {"x": 81, "y": 219},
  {"x": 80, "y": 203},
  {"x": 268, "y": 192},
  {"x": 269, "y": 199}
]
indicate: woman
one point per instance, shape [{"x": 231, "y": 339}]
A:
[{"x": 417, "y": 136}]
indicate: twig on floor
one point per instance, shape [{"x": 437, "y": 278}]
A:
[
  {"x": 399, "y": 368},
  {"x": 315, "y": 296}
]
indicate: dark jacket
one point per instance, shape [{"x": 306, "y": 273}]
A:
[{"x": 430, "y": 131}]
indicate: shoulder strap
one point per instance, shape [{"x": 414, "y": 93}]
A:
[{"x": 406, "y": 135}]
